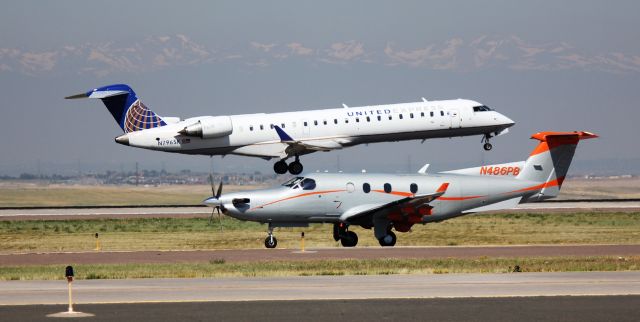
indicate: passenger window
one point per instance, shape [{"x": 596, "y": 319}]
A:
[
  {"x": 379, "y": 118},
  {"x": 368, "y": 119},
  {"x": 390, "y": 117},
  {"x": 335, "y": 121},
  {"x": 421, "y": 114},
  {"x": 411, "y": 115},
  {"x": 346, "y": 121},
  {"x": 431, "y": 113},
  {"x": 305, "y": 123},
  {"x": 315, "y": 122},
  {"x": 366, "y": 187},
  {"x": 413, "y": 187},
  {"x": 400, "y": 116},
  {"x": 350, "y": 187},
  {"x": 282, "y": 125},
  {"x": 357, "y": 120},
  {"x": 261, "y": 127},
  {"x": 387, "y": 188},
  {"x": 441, "y": 113},
  {"x": 250, "y": 127},
  {"x": 324, "y": 122}
]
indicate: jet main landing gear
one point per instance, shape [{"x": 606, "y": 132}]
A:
[{"x": 294, "y": 167}]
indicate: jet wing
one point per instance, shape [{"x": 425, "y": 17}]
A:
[
  {"x": 305, "y": 146},
  {"x": 361, "y": 211}
]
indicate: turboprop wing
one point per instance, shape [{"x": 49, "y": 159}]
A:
[
  {"x": 361, "y": 211},
  {"x": 298, "y": 147}
]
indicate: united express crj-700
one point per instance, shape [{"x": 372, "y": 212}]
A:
[
  {"x": 292, "y": 134},
  {"x": 387, "y": 202}
]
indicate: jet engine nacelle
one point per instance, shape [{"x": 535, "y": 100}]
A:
[{"x": 210, "y": 127}]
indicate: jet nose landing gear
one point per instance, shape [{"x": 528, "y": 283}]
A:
[
  {"x": 294, "y": 167},
  {"x": 487, "y": 146}
]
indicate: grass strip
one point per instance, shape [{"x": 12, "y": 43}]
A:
[
  {"x": 216, "y": 268},
  {"x": 197, "y": 233}
]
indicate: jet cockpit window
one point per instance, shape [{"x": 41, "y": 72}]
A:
[{"x": 481, "y": 108}]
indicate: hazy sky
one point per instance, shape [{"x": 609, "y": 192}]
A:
[{"x": 549, "y": 65}]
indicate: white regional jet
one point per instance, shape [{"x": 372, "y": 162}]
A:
[
  {"x": 292, "y": 134},
  {"x": 385, "y": 201}
]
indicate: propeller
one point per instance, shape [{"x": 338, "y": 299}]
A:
[{"x": 214, "y": 201}]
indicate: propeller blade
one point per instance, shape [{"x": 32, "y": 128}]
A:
[
  {"x": 213, "y": 191},
  {"x": 220, "y": 220},
  {"x": 211, "y": 217},
  {"x": 217, "y": 195}
]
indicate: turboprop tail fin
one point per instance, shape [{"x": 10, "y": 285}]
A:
[
  {"x": 549, "y": 162},
  {"x": 128, "y": 111}
]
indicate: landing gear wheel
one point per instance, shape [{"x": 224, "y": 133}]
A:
[
  {"x": 270, "y": 242},
  {"x": 350, "y": 239},
  {"x": 295, "y": 167},
  {"x": 389, "y": 240},
  {"x": 487, "y": 146},
  {"x": 280, "y": 167}
]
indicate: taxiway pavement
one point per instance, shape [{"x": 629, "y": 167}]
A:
[{"x": 323, "y": 288}]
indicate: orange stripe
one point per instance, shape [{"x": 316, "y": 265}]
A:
[
  {"x": 298, "y": 196},
  {"x": 553, "y": 183},
  {"x": 397, "y": 193},
  {"x": 458, "y": 198}
]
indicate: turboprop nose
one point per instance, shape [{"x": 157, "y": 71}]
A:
[{"x": 123, "y": 139}]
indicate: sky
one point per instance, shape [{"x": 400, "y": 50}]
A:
[{"x": 548, "y": 65}]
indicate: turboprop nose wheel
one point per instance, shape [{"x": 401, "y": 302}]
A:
[{"x": 270, "y": 241}]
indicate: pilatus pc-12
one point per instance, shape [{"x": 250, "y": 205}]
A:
[
  {"x": 387, "y": 202},
  {"x": 291, "y": 134}
]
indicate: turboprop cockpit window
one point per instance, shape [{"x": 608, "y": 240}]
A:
[
  {"x": 481, "y": 108},
  {"x": 293, "y": 183},
  {"x": 308, "y": 184}
]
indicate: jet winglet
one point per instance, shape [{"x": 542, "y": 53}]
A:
[
  {"x": 443, "y": 188},
  {"x": 284, "y": 137}
]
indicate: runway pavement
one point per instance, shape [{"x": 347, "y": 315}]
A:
[
  {"x": 323, "y": 288},
  {"x": 190, "y": 212},
  {"x": 547, "y": 308},
  {"x": 240, "y": 255}
]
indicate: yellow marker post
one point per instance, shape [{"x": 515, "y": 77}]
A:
[
  {"x": 97, "y": 243},
  {"x": 69, "y": 275},
  {"x": 302, "y": 242}
]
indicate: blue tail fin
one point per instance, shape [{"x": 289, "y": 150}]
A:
[{"x": 128, "y": 111}]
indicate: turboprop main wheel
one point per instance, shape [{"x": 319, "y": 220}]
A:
[
  {"x": 350, "y": 239},
  {"x": 270, "y": 242},
  {"x": 487, "y": 146},
  {"x": 280, "y": 167},
  {"x": 295, "y": 167},
  {"x": 388, "y": 240}
]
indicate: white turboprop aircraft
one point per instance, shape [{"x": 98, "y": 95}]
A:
[{"x": 292, "y": 134}]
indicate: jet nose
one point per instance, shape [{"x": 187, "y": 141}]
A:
[
  {"x": 123, "y": 139},
  {"x": 506, "y": 121}
]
